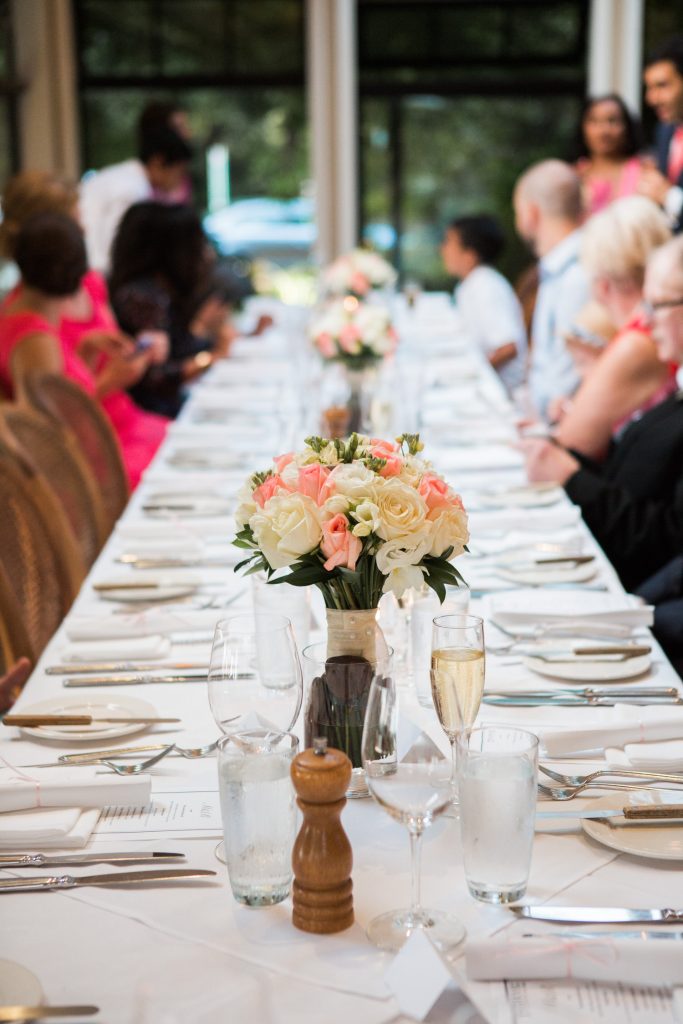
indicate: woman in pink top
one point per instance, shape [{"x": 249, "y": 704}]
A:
[
  {"x": 50, "y": 253},
  {"x": 608, "y": 144}
]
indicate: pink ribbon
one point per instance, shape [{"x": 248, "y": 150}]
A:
[
  {"x": 24, "y": 777},
  {"x": 599, "y": 951}
]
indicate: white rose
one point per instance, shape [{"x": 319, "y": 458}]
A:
[
  {"x": 352, "y": 479},
  {"x": 400, "y": 580},
  {"x": 403, "y": 551},
  {"x": 246, "y": 506},
  {"x": 412, "y": 471},
  {"x": 287, "y": 528},
  {"x": 402, "y": 510},
  {"x": 367, "y": 519},
  {"x": 333, "y": 506},
  {"x": 449, "y": 529}
]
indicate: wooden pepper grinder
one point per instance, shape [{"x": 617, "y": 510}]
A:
[{"x": 322, "y": 857}]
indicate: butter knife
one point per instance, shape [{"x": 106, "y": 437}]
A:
[
  {"x": 34, "y": 721},
  {"x": 571, "y": 934},
  {"x": 25, "y": 1013},
  {"x": 47, "y": 882},
  {"x": 69, "y": 668},
  {"x": 658, "y": 815},
  {"x": 44, "y": 860},
  {"x": 567, "y": 701},
  {"x": 600, "y": 915},
  {"x": 133, "y": 680}
]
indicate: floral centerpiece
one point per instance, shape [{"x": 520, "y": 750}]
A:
[
  {"x": 353, "y": 333},
  {"x": 357, "y": 273},
  {"x": 356, "y": 519}
]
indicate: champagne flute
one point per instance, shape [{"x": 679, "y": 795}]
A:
[
  {"x": 414, "y": 792},
  {"x": 255, "y": 679},
  {"x": 457, "y": 678}
]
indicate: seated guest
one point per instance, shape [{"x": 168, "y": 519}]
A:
[
  {"x": 159, "y": 172},
  {"x": 628, "y": 377},
  {"x": 633, "y": 502},
  {"x": 665, "y": 591},
  {"x": 608, "y": 144},
  {"x": 548, "y": 213},
  {"x": 87, "y": 326},
  {"x": 488, "y": 306},
  {"x": 587, "y": 339},
  {"x": 160, "y": 271}
]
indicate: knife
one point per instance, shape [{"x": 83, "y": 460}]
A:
[
  {"x": 589, "y": 691},
  {"x": 43, "y": 860},
  {"x": 25, "y": 1013},
  {"x": 566, "y": 701},
  {"x": 46, "y": 882},
  {"x": 134, "y": 680},
  {"x": 658, "y": 814},
  {"x": 643, "y": 935},
  {"x": 174, "y": 563},
  {"x": 73, "y": 668},
  {"x": 30, "y": 721},
  {"x": 600, "y": 915}
]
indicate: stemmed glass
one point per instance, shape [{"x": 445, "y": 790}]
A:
[
  {"x": 413, "y": 791},
  {"x": 255, "y": 679},
  {"x": 457, "y": 678}
]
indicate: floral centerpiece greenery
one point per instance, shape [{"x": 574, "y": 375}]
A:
[
  {"x": 353, "y": 333},
  {"x": 356, "y": 519},
  {"x": 357, "y": 273}
]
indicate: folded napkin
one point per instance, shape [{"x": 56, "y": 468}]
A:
[
  {"x": 533, "y": 520},
  {"x": 531, "y": 608},
  {"x": 490, "y": 456},
  {"x": 154, "y": 621},
  {"x": 141, "y": 648},
  {"x": 178, "y": 536},
  {"x": 25, "y": 788},
  {"x": 53, "y": 828},
  {"x": 649, "y": 757},
  {"x": 646, "y": 962},
  {"x": 167, "y": 544},
  {"x": 619, "y": 725}
]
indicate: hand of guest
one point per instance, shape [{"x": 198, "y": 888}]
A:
[
  {"x": 120, "y": 373},
  {"x": 547, "y": 462},
  {"x": 262, "y": 324},
  {"x": 557, "y": 408},
  {"x": 224, "y": 340},
  {"x": 653, "y": 184},
  {"x": 12, "y": 681},
  {"x": 96, "y": 343},
  {"x": 158, "y": 345}
]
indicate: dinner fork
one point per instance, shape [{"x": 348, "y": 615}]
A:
[
  {"x": 569, "y": 792},
  {"x": 582, "y": 780},
  {"x": 141, "y": 766}
]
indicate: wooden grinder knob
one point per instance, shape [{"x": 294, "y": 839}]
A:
[{"x": 322, "y": 858}]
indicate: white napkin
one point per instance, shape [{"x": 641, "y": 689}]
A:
[
  {"x": 168, "y": 543},
  {"x": 650, "y": 757},
  {"x": 182, "y": 534},
  {"x": 25, "y": 788},
  {"x": 532, "y": 520},
  {"x": 154, "y": 621},
  {"x": 47, "y": 829},
  {"x": 621, "y": 724},
  {"x": 142, "y": 648},
  {"x": 647, "y": 962},
  {"x": 490, "y": 456},
  {"x": 583, "y": 607}
]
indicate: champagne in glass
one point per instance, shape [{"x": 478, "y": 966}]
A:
[{"x": 457, "y": 677}]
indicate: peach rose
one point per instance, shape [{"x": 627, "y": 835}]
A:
[
  {"x": 435, "y": 491},
  {"x": 339, "y": 545},
  {"x": 326, "y": 345},
  {"x": 282, "y": 461},
  {"x": 349, "y": 339},
  {"x": 390, "y": 452},
  {"x": 359, "y": 283},
  {"x": 271, "y": 486},
  {"x": 312, "y": 479}
]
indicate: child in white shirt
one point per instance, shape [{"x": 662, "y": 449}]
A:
[{"x": 488, "y": 307}]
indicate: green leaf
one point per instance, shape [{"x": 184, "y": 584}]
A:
[{"x": 438, "y": 588}]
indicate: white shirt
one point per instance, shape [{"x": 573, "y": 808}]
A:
[
  {"x": 562, "y": 292},
  {"x": 492, "y": 316},
  {"x": 105, "y": 197}
]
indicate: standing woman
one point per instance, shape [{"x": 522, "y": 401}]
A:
[{"x": 608, "y": 141}]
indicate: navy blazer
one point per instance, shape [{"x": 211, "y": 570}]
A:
[{"x": 663, "y": 137}]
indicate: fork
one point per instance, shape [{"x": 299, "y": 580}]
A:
[
  {"x": 569, "y": 792},
  {"x": 583, "y": 780},
  {"x": 141, "y": 766}
]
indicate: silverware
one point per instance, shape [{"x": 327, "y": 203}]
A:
[
  {"x": 26, "y": 1013},
  {"x": 600, "y": 915},
  {"x": 34, "y": 721},
  {"x": 133, "y": 680},
  {"x": 45, "y": 860},
  {"x": 569, "y": 792},
  {"x": 590, "y": 691},
  {"x": 571, "y": 934},
  {"x": 74, "y": 667},
  {"x": 667, "y": 814},
  {"x": 583, "y": 780},
  {"x": 140, "y": 766},
  {"x": 122, "y": 878},
  {"x": 569, "y": 627},
  {"x": 601, "y": 654},
  {"x": 566, "y": 700},
  {"x": 173, "y": 563}
]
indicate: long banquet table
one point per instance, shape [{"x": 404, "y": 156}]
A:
[{"x": 190, "y": 953}]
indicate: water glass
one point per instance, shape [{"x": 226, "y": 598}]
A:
[
  {"x": 258, "y": 808},
  {"x": 283, "y": 599},
  {"x": 497, "y": 782}
]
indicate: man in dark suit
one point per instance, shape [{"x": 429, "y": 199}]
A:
[{"x": 662, "y": 180}]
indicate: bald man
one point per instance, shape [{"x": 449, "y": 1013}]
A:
[{"x": 548, "y": 214}]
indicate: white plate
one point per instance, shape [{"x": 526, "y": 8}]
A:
[
  {"x": 112, "y": 707},
  {"x": 18, "y": 985},
  {"x": 582, "y": 669},
  {"x": 665, "y": 843},
  {"x": 133, "y": 595},
  {"x": 528, "y": 496},
  {"x": 203, "y": 458},
  {"x": 536, "y": 577}
]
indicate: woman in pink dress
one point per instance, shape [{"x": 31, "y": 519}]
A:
[
  {"x": 50, "y": 253},
  {"x": 608, "y": 144}
]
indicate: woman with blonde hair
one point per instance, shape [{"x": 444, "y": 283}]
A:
[{"x": 628, "y": 377}]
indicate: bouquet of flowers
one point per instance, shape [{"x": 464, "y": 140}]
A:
[
  {"x": 356, "y": 519},
  {"x": 353, "y": 333},
  {"x": 356, "y": 273}
]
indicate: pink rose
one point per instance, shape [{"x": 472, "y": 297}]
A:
[
  {"x": 390, "y": 452},
  {"x": 349, "y": 338},
  {"x": 271, "y": 485},
  {"x": 339, "y": 545},
  {"x": 312, "y": 481},
  {"x": 435, "y": 491},
  {"x": 359, "y": 283},
  {"x": 282, "y": 461},
  {"x": 325, "y": 343}
]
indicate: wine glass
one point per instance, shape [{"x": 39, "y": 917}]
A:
[
  {"x": 457, "y": 678},
  {"x": 414, "y": 791},
  {"x": 255, "y": 679}
]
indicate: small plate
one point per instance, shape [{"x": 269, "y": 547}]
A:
[
  {"x": 527, "y": 496},
  {"x": 664, "y": 843},
  {"x": 536, "y": 577},
  {"x": 132, "y": 707},
  {"x": 18, "y": 985},
  {"x": 189, "y": 508},
  {"x": 582, "y": 669}
]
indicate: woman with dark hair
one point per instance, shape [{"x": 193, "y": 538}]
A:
[
  {"x": 161, "y": 263},
  {"x": 608, "y": 141}
]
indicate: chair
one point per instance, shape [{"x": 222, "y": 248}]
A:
[
  {"x": 64, "y": 401},
  {"x": 54, "y": 451},
  {"x": 14, "y": 640},
  {"x": 38, "y": 553}
]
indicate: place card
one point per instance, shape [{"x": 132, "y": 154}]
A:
[{"x": 417, "y": 976}]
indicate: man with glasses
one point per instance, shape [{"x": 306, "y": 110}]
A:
[{"x": 662, "y": 178}]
